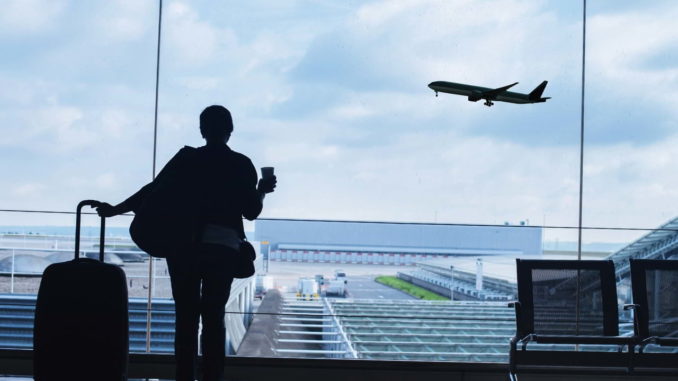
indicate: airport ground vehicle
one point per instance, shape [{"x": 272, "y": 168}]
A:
[
  {"x": 320, "y": 279},
  {"x": 336, "y": 287},
  {"x": 340, "y": 275},
  {"x": 307, "y": 289}
]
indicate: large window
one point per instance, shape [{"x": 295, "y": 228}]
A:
[{"x": 335, "y": 96}]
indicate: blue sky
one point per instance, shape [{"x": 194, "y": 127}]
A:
[{"x": 333, "y": 94}]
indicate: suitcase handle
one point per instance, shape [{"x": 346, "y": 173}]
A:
[{"x": 78, "y": 213}]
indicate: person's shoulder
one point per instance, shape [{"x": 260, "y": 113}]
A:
[
  {"x": 183, "y": 154},
  {"x": 187, "y": 150},
  {"x": 241, "y": 158}
]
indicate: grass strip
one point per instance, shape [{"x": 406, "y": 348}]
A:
[{"x": 407, "y": 287}]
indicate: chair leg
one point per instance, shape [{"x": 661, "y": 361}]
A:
[
  {"x": 632, "y": 352},
  {"x": 512, "y": 359}
]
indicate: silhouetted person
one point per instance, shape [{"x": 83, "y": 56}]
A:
[{"x": 223, "y": 190}]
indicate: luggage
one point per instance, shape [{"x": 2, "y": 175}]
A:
[{"x": 81, "y": 329}]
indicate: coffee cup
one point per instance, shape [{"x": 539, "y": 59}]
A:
[{"x": 266, "y": 172}]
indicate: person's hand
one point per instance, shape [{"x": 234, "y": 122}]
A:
[
  {"x": 106, "y": 210},
  {"x": 267, "y": 185}
]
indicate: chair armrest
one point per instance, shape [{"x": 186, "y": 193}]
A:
[
  {"x": 517, "y": 308},
  {"x": 645, "y": 341},
  {"x": 636, "y": 323},
  {"x": 515, "y": 305},
  {"x": 667, "y": 341},
  {"x": 583, "y": 339}
]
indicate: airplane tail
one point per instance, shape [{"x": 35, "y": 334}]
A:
[{"x": 535, "y": 95}]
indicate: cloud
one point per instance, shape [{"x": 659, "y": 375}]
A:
[
  {"x": 126, "y": 20},
  {"x": 392, "y": 50},
  {"x": 631, "y": 85},
  {"x": 21, "y": 92},
  {"x": 401, "y": 46},
  {"x": 29, "y": 17},
  {"x": 336, "y": 100},
  {"x": 629, "y": 185},
  {"x": 622, "y": 42},
  {"x": 44, "y": 127},
  {"x": 35, "y": 124},
  {"x": 30, "y": 190},
  {"x": 419, "y": 176},
  {"x": 193, "y": 41},
  {"x": 106, "y": 180},
  {"x": 200, "y": 83},
  {"x": 351, "y": 111},
  {"x": 115, "y": 123},
  {"x": 451, "y": 178}
]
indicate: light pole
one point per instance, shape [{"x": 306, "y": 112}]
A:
[
  {"x": 479, "y": 274},
  {"x": 451, "y": 282},
  {"x": 11, "y": 291}
]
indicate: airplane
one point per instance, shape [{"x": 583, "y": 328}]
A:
[{"x": 476, "y": 93}]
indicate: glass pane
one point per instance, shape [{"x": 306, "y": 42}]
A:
[
  {"x": 335, "y": 97},
  {"x": 619, "y": 246},
  {"x": 78, "y": 120},
  {"x": 661, "y": 300},
  {"x": 77, "y": 124},
  {"x": 630, "y": 138},
  {"x": 382, "y": 290},
  {"x": 27, "y": 250},
  {"x": 628, "y": 178},
  {"x": 367, "y": 316}
]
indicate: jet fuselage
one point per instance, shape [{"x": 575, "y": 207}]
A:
[{"x": 476, "y": 93}]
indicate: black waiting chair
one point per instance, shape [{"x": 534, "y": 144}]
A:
[
  {"x": 567, "y": 302},
  {"x": 655, "y": 295}
]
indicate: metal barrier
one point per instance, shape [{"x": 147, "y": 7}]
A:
[{"x": 17, "y": 313}]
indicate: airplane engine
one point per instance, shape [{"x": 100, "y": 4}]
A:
[{"x": 475, "y": 96}]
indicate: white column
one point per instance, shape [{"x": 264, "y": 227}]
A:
[
  {"x": 479, "y": 274},
  {"x": 451, "y": 282}
]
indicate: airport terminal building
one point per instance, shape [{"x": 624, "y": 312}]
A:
[{"x": 390, "y": 243}]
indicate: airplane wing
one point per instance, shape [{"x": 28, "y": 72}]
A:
[{"x": 493, "y": 93}]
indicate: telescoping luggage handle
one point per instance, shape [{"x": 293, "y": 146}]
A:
[{"x": 93, "y": 204}]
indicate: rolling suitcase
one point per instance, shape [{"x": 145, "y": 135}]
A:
[{"x": 81, "y": 329}]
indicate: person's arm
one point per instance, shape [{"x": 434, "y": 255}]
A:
[{"x": 134, "y": 201}]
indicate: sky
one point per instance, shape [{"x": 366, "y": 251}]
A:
[{"x": 334, "y": 95}]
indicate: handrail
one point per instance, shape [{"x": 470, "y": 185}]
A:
[{"x": 342, "y": 333}]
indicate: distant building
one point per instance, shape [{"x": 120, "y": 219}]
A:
[{"x": 390, "y": 243}]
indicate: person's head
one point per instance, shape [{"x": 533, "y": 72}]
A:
[{"x": 216, "y": 124}]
